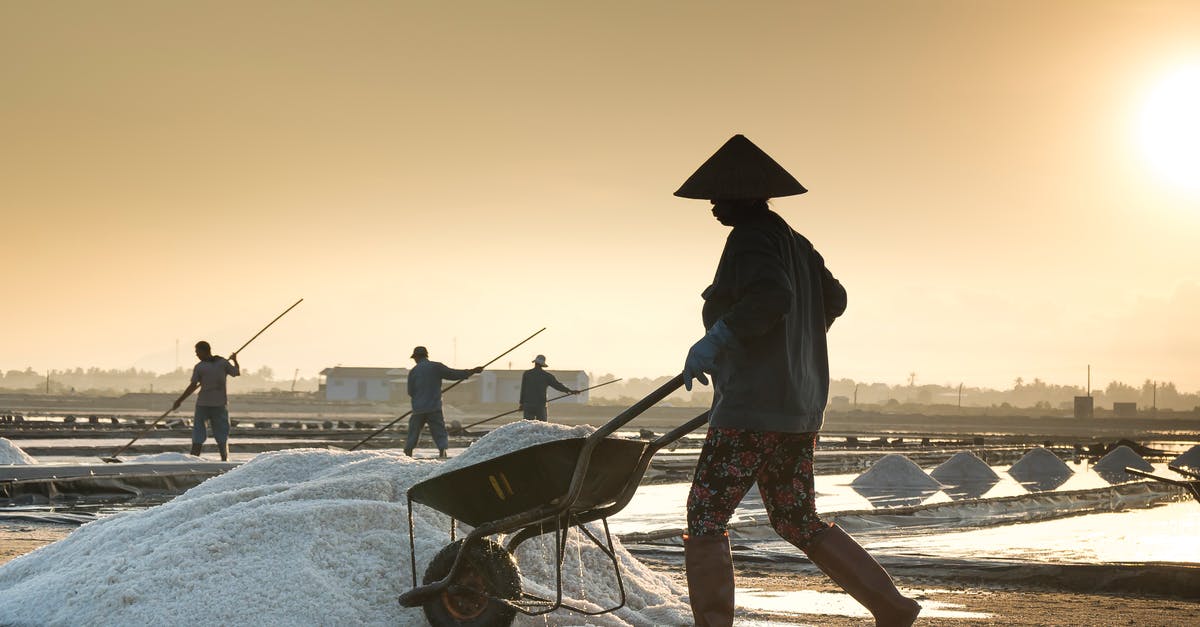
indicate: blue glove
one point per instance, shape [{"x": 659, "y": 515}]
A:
[{"x": 702, "y": 357}]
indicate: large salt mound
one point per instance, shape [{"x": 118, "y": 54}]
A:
[
  {"x": 895, "y": 471},
  {"x": 299, "y": 537},
  {"x": 1040, "y": 469},
  {"x": 1112, "y": 466},
  {"x": 964, "y": 467},
  {"x": 13, "y": 455},
  {"x": 1190, "y": 459}
]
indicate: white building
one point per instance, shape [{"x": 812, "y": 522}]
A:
[
  {"x": 504, "y": 386},
  {"x": 364, "y": 384}
]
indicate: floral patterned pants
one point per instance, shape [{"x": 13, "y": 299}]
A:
[{"x": 782, "y": 464}]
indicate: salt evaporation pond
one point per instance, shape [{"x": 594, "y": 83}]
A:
[
  {"x": 12, "y": 454},
  {"x": 297, "y": 537}
]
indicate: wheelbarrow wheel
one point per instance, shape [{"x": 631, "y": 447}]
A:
[{"x": 488, "y": 573}]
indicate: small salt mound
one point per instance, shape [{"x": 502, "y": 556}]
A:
[
  {"x": 1190, "y": 459},
  {"x": 165, "y": 457},
  {"x": 964, "y": 467},
  {"x": 895, "y": 471},
  {"x": 1039, "y": 462},
  {"x": 12, "y": 454},
  {"x": 1112, "y": 466},
  {"x": 294, "y": 537},
  {"x": 1041, "y": 468}
]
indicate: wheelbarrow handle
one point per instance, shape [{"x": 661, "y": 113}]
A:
[
  {"x": 678, "y": 432},
  {"x": 1148, "y": 475},
  {"x": 589, "y": 445},
  {"x": 637, "y": 408}
]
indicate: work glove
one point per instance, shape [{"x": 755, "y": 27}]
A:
[
  {"x": 477, "y": 370},
  {"x": 702, "y": 357}
]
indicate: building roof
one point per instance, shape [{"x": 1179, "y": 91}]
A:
[{"x": 363, "y": 372}]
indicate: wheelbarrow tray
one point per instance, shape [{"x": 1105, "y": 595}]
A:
[{"x": 529, "y": 478}]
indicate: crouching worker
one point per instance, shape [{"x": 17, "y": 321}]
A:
[
  {"x": 212, "y": 401},
  {"x": 766, "y": 313}
]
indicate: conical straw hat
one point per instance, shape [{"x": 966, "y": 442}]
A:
[{"x": 740, "y": 170}]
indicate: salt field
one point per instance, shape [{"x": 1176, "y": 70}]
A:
[
  {"x": 290, "y": 534},
  {"x": 295, "y": 532}
]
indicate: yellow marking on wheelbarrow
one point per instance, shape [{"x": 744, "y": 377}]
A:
[{"x": 496, "y": 485}]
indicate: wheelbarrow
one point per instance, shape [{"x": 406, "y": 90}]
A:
[
  {"x": 1191, "y": 485},
  {"x": 554, "y": 487}
]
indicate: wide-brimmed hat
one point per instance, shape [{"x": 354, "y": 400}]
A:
[
  {"x": 419, "y": 351},
  {"x": 540, "y": 360},
  {"x": 739, "y": 170}
]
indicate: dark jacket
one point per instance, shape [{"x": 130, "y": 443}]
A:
[
  {"x": 777, "y": 298},
  {"x": 425, "y": 384},
  {"x": 533, "y": 387}
]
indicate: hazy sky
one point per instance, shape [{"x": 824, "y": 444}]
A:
[{"x": 461, "y": 174}]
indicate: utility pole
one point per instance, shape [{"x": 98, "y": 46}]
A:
[
  {"x": 294, "y": 376},
  {"x": 47, "y": 381},
  {"x": 856, "y": 395},
  {"x": 960, "y": 398},
  {"x": 1154, "y": 400}
]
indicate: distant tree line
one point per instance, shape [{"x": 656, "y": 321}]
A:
[
  {"x": 119, "y": 381},
  {"x": 844, "y": 394},
  {"x": 849, "y": 394}
]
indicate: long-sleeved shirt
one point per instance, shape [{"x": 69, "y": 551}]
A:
[
  {"x": 210, "y": 376},
  {"x": 778, "y": 299},
  {"x": 533, "y": 387},
  {"x": 425, "y": 383}
]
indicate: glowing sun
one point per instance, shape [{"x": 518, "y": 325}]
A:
[{"x": 1169, "y": 128}]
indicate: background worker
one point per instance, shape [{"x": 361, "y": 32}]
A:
[
  {"x": 533, "y": 389},
  {"x": 766, "y": 314},
  {"x": 425, "y": 389},
  {"x": 211, "y": 403}
]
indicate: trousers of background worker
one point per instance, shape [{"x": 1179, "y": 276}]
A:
[
  {"x": 218, "y": 416},
  {"x": 437, "y": 428},
  {"x": 732, "y": 460},
  {"x": 535, "y": 413}
]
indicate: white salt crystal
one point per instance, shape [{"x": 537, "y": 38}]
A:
[
  {"x": 1039, "y": 463},
  {"x": 13, "y": 455},
  {"x": 298, "y": 537},
  {"x": 895, "y": 471},
  {"x": 165, "y": 457},
  {"x": 1190, "y": 459},
  {"x": 964, "y": 467}
]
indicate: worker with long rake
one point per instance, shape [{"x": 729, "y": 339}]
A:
[
  {"x": 533, "y": 390},
  {"x": 212, "y": 402},
  {"x": 766, "y": 313},
  {"x": 425, "y": 389}
]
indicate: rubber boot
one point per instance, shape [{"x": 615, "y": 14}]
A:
[
  {"x": 851, "y": 567},
  {"x": 710, "y": 579},
  {"x": 224, "y": 449},
  {"x": 196, "y": 448},
  {"x": 442, "y": 454}
]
